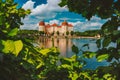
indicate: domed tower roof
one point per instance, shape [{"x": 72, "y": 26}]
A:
[
  {"x": 41, "y": 23},
  {"x": 70, "y": 25},
  {"x": 65, "y": 23},
  {"x": 54, "y": 25}
]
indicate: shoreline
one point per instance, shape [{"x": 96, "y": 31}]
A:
[{"x": 75, "y": 37}]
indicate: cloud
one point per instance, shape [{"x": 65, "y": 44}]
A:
[
  {"x": 30, "y": 23},
  {"x": 54, "y": 21},
  {"x": 28, "y": 5},
  {"x": 48, "y": 10},
  {"x": 93, "y": 24}
]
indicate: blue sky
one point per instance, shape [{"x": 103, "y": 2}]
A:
[{"x": 50, "y": 12}]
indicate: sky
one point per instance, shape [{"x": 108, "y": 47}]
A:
[{"x": 51, "y": 12}]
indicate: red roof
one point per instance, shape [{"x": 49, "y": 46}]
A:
[
  {"x": 42, "y": 23},
  {"x": 59, "y": 26},
  {"x": 48, "y": 26},
  {"x": 54, "y": 24},
  {"x": 64, "y": 23},
  {"x": 70, "y": 25}
]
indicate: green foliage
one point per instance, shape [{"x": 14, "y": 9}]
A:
[
  {"x": 105, "y": 9},
  {"x": 63, "y": 2},
  {"x": 67, "y": 33},
  {"x": 91, "y": 33},
  {"x": 72, "y": 33},
  {"x": 58, "y": 33},
  {"x": 75, "y": 49}
]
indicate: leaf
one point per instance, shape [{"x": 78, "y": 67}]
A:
[
  {"x": 7, "y": 25},
  {"x": 85, "y": 75},
  {"x": 109, "y": 77},
  {"x": 75, "y": 49},
  {"x": 4, "y": 31},
  {"x": 74, "y": 76},
  {"x": 67, "y": 66},
  {"x": 68, "y": 60},
  {"x": 88, "y": 54},
  {"x": 45, "y": 51},
  {"x": 13, "y": 47},
  {"x": 18, "y": 47},
  {"x": 63, "y": 3},
  {"x": 98, "y": 42},
  {"x": 13, "y": 32},
  {"x": 8, "y": 46},
  {"x": 106, "y": 42},
  {"x": 102, "y": 57}
]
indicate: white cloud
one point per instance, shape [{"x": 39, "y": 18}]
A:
[
  {"x": 29, "y": 23},
  {"x": 29, "y": 27},
  {"x": 93, "y": 24},
  {"x": 54, "y": 21},
  {"x": 28, "y": 5},
  {"x": 45, "y": 10}
]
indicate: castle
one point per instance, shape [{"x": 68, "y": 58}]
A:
[{"x": 55, "y": 28}]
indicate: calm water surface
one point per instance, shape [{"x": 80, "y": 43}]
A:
[{"x": 65, "y": 45}]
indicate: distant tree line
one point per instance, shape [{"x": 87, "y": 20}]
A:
[
  {"x": 36, "y": 33},
  {"x": 91, "y": 33}
]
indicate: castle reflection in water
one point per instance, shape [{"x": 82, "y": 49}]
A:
[{"x": 64, "y": 45}]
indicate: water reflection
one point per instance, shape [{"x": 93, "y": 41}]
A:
[{"x": 65, "y": 45}]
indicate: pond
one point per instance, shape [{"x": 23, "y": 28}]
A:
[{"x": 65, "y": 45}]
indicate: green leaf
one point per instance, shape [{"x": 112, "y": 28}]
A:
[
  {"x": 13, "y": 32},
  {"x": 98, "y": 42},
  {"x": 109, "y": 77},
  {"x": 85, "y": 75},
  {"x": 88, "y": 54},
  {"x": 8, "y": 46},
  {"x": 7, "y": 25},
  {"x": 102, "y": 57},
  {"x": 106, "y": 42},
  {"x": 13, "y": 47},
  {"x": 18, "y": 47},
  {"x": 67, "y": 66},
  {"x": 45, "y": 51},
  {"x": 68, "y": 60},
  {"x": 74, "y": 76},
  {"x": 75, "y": 49},
  {"x": 5, "y": 31},
  {"x": 63, "y": 3}
]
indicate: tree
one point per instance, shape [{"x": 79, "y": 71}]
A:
[
  {"x": 67, "y": 33},
  {"x": 52, "y": 33},
  {"x": 105, "y": 9},
  {"x": 58, "y": 33},
  {"x": 71, "y": 33}
]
